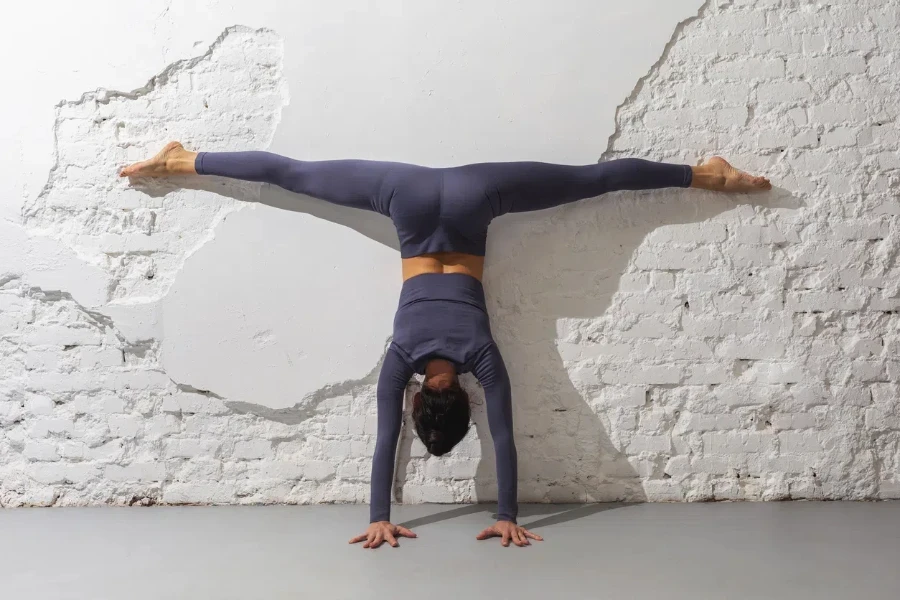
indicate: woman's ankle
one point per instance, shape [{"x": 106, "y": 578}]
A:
[
  {"x": 183, "y": 164},
  {"x": 705, "y": 177}
]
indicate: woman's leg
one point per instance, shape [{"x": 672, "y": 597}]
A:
[
  {"x": 362, "y": 184},
  {"x": 354, "y": 183},
  {"x": 527, "y": 186}
]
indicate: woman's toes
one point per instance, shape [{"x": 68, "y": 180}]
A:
[
  {"x": 762, "y": 183},
  {"x": 130, "y": 170},
  {"x": 137, "y": 169}
]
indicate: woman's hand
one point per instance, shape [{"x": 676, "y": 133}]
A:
[
  {"x": 382, "y": 531},
  {"x": 509, "y": 531}
]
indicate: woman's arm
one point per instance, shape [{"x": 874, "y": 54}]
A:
[
  {"x": 394, "y": 376},
  {"x": 392, "y": 380},
  {"x": 491, "y": 372}
]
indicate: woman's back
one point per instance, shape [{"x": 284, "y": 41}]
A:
[
  {"x": 441, "y": 316},
  {"x": 444, "y": 263}
]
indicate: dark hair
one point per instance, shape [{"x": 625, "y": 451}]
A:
[{"x": 442, "y": 418}]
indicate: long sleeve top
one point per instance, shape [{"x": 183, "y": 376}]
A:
[{"x": 443, "y": 316}]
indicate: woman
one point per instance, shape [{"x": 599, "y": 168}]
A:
[{"x": 441, "y": 327}]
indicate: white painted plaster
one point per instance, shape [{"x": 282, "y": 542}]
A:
[{"x": 266, "y": 314}]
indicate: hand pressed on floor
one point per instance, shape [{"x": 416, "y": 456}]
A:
[
  {"x": 380, "y": 532},
  {"x": 507, "y": 530}
]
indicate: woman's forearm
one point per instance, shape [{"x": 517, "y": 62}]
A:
[{"x": 392, "y": 380}]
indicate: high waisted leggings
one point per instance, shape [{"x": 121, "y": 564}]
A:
[{"x": 443, "y": 209}]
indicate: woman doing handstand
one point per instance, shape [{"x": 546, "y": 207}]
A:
[{"x": 441, "y": 326}]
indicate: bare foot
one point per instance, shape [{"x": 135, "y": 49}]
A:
[
  {"x": 719, "y": 176},
  {"x": 173, "y": 159}
]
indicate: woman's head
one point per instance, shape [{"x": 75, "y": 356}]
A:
[{"x": 441, "y": 409}]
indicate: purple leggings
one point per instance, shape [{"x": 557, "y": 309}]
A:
[{"x": 443, "y": 209}]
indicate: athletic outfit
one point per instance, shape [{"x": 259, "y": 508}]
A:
[{"x": 443, "y": 315}]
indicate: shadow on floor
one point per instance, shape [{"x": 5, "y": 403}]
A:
[{"x": 558, "y": 514}]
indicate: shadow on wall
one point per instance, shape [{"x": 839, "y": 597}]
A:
[{"x": 543, "y": 269}]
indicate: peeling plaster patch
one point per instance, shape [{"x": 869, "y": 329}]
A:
[
  {"x": 49, "y": 264},
  {"x": 47, "y": 318},
  {"x": 140, "y": 234},
  {"x": 307, "y": 408},
  {"x": 246, "y": 310},
  {"x": 676, "y": 35},
  {"x": 136, "y": 321}
]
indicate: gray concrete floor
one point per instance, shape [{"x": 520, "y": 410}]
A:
[{"x": 672, "y": 551}]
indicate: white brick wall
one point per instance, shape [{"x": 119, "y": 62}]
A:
[
  {"x": 796, "y": 305},
  {"x": 695, "y": 349}
]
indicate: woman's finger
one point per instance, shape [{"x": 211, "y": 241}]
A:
[
  {"x": 518, "y": 539},
  {"x": 379, "y": 537},
  {"x": 405, "y": 532},
  {"x": 505, "y": 541},
  {"x": 533, "y": 536},
  {"x": 358, "y": 538},
  {"x": 487, "y": 533},
  {"x": 390, "y": 539},
  {"x": 522, "y": 537}
]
